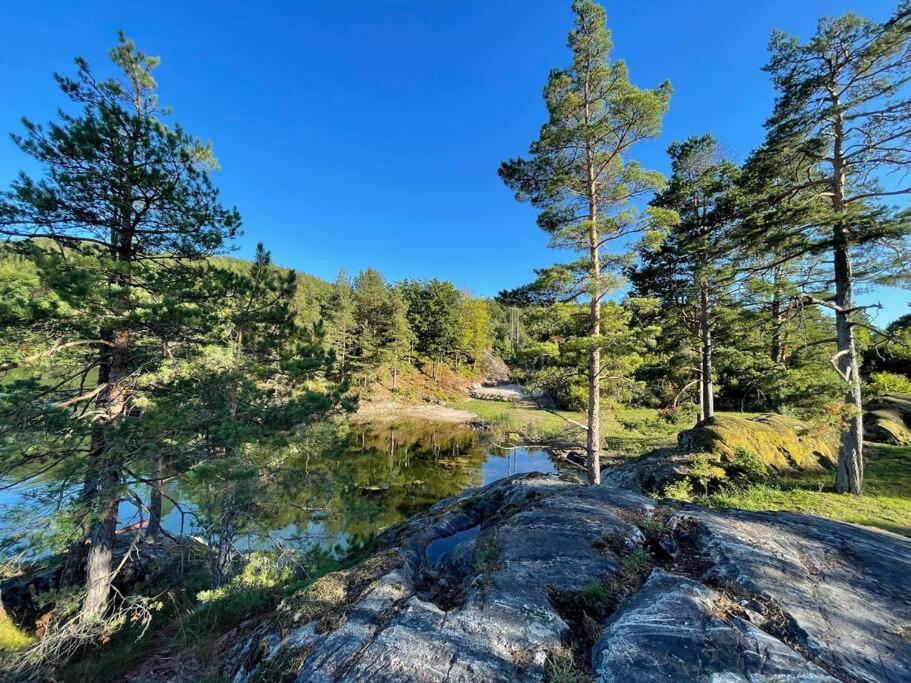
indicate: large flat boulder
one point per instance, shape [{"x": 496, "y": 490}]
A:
[
  {"x": 532, "y": 578},
  {"x": 781, "y": 443}
]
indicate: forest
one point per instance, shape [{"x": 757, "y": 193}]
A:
[{"x": 148, "y": 374}]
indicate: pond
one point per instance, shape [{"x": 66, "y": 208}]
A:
[{"x": 379, "y": 475}]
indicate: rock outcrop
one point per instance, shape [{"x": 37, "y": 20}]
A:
[
  {"x": 781, "y": 443},
  {"x": 532, "y": 578},
  {"x": 888, "y": 420}
]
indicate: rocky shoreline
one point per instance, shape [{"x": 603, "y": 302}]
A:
[{"x": 532, "y": 578}]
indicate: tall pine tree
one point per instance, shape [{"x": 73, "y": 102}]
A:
[
  {"x": 580, "y": 176},
  {"x": 123, "y": 209}
]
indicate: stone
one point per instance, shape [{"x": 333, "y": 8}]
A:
[{"x": 532, "y": 570}]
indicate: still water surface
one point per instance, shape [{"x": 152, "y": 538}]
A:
[{"x": 382, "y": 474}]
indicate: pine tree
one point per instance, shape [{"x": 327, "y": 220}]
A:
[
  {"x": 398, "y": 336},
  {"x": 687, "y": 270},
  {"x": 581, "y": 179},
  {"x": 123, "y": 210},
  {"x": 340, "y": 322},
  {"x": 841, "y": 128},
  {"x": 434, "y": 315},
  {"x": 370, "y": 304}
]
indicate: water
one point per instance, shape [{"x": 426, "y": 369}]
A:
[{"x": 378, "y": 476}]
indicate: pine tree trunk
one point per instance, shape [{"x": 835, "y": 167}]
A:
[
  {"x": 593, "y": 442},
  {"x": 105, "y": 470},
  {"x": 221, "y": 563},
  {"x": 154, "y": 528},
  {"x": 102, "y": 535},
  {"x": 707, "y": 397},
  {"x": 850, "y": 472},
  {"x": 777, "y": 349},
  {"x": 395, "y": 375}
]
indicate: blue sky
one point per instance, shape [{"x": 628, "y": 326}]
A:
[{"x": 368, "y": 133}]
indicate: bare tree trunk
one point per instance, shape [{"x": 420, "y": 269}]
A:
[
  {"x": 105, "y": 470},
  {"x": 850, "y": 473},
  {"x": 593, "y": 442},
  {"x": 154, "y": 528},
  {"x": 707, "y": 398},
  {"x": 395, "y": 375},
  {"x": 221, "y": 563}
]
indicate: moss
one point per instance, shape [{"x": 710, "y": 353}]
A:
[
  {"x": 780, "y": 443},
  {"x": 328, "y": 599}
]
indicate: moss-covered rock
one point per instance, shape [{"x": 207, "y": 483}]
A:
[
  {"x": 888, "y": 420},
  {"x": 780, "y": 443}
]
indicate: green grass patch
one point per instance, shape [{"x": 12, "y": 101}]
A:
[
  {"x": 625, "y": 431},
  {"x": 12, "y": 638},
  {"x": 886, "y": 502}
]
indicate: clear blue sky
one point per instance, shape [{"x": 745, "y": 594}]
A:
[{"x": 369, "y": 132}]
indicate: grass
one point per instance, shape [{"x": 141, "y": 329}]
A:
[
  {"x": 886, "y": 502},
  {"x": 12, "y": 638},
  {"x": 486, "y": 554},
  {"x": 626, "y": 431}
]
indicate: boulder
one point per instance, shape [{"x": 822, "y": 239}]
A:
[
  {"x": 888, "y": 420},
  {"x": 532, "y": 578},
  {"x": 781, "y": 443},
  {"x": 494, "y": 369}
]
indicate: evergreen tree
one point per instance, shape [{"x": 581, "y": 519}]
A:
[
  {"x": 370, "y": 303},
  {"x": 339, "y": 315},
  {"x": 687, "y": 270},
  {"x": 398, "y": 336},
  {"x": 581, "y": 179},
  {"x": 840, "y": 128},
  {"x": 123, "y": 210},
  {"x": 434, "y": 315}
]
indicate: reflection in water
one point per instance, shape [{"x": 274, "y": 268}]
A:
[{"x": 378, "y": 475}]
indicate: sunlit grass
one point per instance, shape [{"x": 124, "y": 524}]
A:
[
  {"x": 886, "y": 502},
  {"x": 12, "y": 638},
  {"x": 625, "y": 431}
]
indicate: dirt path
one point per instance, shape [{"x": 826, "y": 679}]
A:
[{"x": 388, "y": 411}]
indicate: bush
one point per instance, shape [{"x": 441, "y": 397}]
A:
[
  {"x": 882, "y": 383},
  {"x": 745, "y": 467},
  {"x": 680, "y": 490}
]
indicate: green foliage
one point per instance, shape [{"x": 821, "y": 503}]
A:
[
  {"x": 746, "y": 467},
  {"x": 486, "y": 554},
  {"x": 681, "y": 489},
  {"x": 597, "y": 592},
  {"x": 264, "y": 580},
  {"x": 882, "y": 383},
  {"x": 12, "y": 638},
  {"x": 636, "y": 567},
  {"x": 886, "y": 502}
]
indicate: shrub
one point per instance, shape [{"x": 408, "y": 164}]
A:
[
  {"x": 745, "y": 467},
  {"x": 680, "y": 490},
  {"x": 882, "y": 383}
]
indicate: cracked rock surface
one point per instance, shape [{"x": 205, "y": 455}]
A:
[{"x": 532, "y": 573}]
